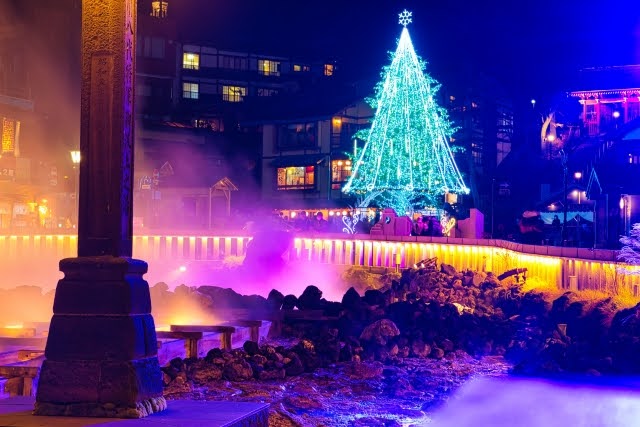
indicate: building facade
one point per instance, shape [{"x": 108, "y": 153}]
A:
[
  {"x": 37, "y": 175},
  {"x": 306, "y": 158}
]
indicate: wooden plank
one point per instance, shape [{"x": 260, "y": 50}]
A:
[{"x": 202, "y": 328}]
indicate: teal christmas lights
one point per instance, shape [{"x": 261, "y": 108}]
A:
[{"x": 406, "y": 156}]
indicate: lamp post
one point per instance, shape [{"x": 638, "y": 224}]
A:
[
  {"x": 563, "y": 157},
  {"x": 75, "y": 159}
]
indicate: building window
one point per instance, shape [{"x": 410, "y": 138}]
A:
[
  {"x": 336, "y": 125},
  {"x": 213, "y": 124},
  {"x": 591, "y": 114},
  {"x": 634, "y": 159},
  {"x": 190, "y": 90},
  {"x": 340, "y": 173},
  {"x": 233, "y": 62},
  {"x": 9, "y": 129},
  {"x": 159, "y": 9},
  {"x": 297, "y": 68},
  {"x": 191, "y": 61},
  {"x": 474, "y": 104},
  {"x": 328, "y": 69},
  {"x": 268, "y": 68},
  {"x": 154, "y": 47},
  {"x": 477, "y": 157},
  {"x": 296, "y": 178},
  {"x": 267, "y": 92},
  {"x": 296, "y": 136},
  {"x": 233, "y": 93},
  {"x": 452, "y": 98}
]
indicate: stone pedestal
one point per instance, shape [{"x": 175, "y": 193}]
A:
[{"x": 101, "y": 354}]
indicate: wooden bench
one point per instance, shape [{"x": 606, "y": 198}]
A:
[
  {"x": 253, "y": 325},
  {"x": 27, "y": 371},
  {"x": 225, "y": 331},
  {"x": 190, "y": 340}
]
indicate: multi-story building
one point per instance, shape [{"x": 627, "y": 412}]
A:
[
  {"x": 38, "y": 104},
  {"x": 483, "y": 114},
  {"x": 306, "y": 153},
  {"x": 194, "y": 95},
  {"x": 602, "y": 150}
]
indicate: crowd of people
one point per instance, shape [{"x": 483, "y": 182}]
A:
[{"x": 426, "y": 226}]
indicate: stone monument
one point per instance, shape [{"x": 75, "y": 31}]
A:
[{"x": 101, "y": 353}]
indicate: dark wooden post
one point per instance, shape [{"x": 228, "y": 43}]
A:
[{"x": 101, "y": 354}]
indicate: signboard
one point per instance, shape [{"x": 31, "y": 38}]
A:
[
  {"x": 145, "y": 183},
  {"x": 53, "y": 176},
  {"x": 7, "y": 168}
]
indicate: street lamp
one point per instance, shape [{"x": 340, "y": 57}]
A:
[{"x": 75, "y": 159}]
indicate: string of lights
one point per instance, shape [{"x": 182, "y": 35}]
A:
[{"x": 406, "y": 152}]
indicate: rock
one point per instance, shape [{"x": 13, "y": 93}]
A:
[
  {"x": 364, "y": 370},
  {"x": 437, "y": 353},
  {"x": 270, "y": 375},
  {"x": 380, "y": 331},
  {"x": 214, "y": 353},
  {"x": 310, "y": 298},
  {"x": 294, "y": 367},
  {"x": 251, "y": 347},
  {"x": 447, "y": 269},
  {"x": 289, "y": 302},
  {"x": 202, "y": 372},
  {"x": 374, "y": 297},
  {"x": 351, "y": 299},
  {"x": 237, "y": 370},
  {"x": 420, "y": 349},
  {"x": 275, "y": 299}
]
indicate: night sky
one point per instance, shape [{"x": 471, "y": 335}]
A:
[{"x": 532, "y": 47}]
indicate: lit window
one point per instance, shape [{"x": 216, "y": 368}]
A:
[
  {"x": 306, "y": 68},
  {"x": 296, "y": 178},
  {"x": 190, "y": 90},
  {"x": 268, "y": 68},
  {"x": 336, "y": 125},
  {"x": 452, "y": 98},
  {"x": 159, "y": 9},
  {"x": 233, "y": 93},
  {"x": 474, "y": 105},
  {"x": 297, "y": 68},
  {"x": 191, "y": 61},
  {"x": 266, "y": 92},
  {"x": 215, "y": 124},
  {"x": 340, "y": 173},
  {"x": 328, "y": 69},
  {"x": 9, "y": 135}
]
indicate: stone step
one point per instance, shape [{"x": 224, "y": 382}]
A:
[{"x": 16, "y": 412}]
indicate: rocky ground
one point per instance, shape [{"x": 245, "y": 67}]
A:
[
  {"x": 404, "y": 393},
  {"x": 390, "y": 356}
]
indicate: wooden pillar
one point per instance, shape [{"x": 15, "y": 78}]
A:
[{"x": 101, "y": 353}]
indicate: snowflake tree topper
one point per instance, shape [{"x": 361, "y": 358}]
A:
[{"x": 405, "y": 18}]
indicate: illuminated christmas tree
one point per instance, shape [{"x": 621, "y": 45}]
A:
[{"x": 406, "y": 158}]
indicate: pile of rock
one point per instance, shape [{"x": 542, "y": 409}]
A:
[
  {"x": 253, "y": 361},
  {"x": 431, "y": 312}
]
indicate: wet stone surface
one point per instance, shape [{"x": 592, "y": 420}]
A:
[{"x": 403, "y": 393}]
